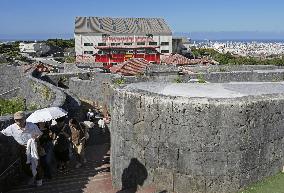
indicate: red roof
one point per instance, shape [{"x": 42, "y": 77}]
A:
[
  {"x": 131, "y": 67},
  {"x": 176, "y": 59}
]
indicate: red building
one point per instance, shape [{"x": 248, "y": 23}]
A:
[
  {"x": 114, "y": 54},
  {"x": 115, "y": 40}
]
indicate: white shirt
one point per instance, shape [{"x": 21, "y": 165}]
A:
[
  {"x": 22, "y": 135},
  {"x": 32, "y": 155}
]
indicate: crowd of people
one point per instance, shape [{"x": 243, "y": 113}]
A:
[{"x": 45, "y": 147}]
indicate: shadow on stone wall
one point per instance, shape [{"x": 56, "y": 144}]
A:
[{"x": 135, "y": 174}]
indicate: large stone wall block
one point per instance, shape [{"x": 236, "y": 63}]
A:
[
  {"x": 132, "y": 108},
  {"x": 168, "y": 156},
  {"x": 188, "y": 183},
  {"x": 190, "y": 163},
  {"x": 221, "y": 184},
  {"x": 151, "y": 157},
  {"x": 164, "y": 179}
]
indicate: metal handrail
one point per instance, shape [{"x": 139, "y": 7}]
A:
[
  {"x": 9, "y": 91},
  {"x": 9, "y": 167}
]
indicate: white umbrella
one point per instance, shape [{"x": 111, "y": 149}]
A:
[{"x": 46, "y": 114}]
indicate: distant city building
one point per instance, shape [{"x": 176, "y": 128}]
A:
[
  {"x": 244, "y": 48},
  {"x": 181, "y": 45},
  {"x": 114, "y": 40},
  {"x": 34, "y": 49}
]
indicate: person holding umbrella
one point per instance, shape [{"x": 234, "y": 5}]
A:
[
  {"x": 60, "y": 133},
  {"x": 22, "y": 131}
]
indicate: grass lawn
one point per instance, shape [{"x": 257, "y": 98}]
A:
[{"x": 273, "y": 184}]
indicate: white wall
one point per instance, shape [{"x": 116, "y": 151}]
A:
[
  {"x": 80, "y": 39},
  {"x": 40, "y": 48}
]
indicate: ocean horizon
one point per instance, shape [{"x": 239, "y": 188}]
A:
[
  {"x": 192, "y": 40},
  {"x": 241, "y": 40}
]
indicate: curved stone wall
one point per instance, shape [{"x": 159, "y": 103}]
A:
[
  {"x": 97, "y": 88},
  {"x": 187, "y": 143},
  {"x": 40, "y": 93},
  {"x": 36, "y": 92},
  {"x": 230, "y": 68},
  {"x": 54, "y": 78}
]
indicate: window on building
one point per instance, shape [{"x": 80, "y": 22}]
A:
[
  {"x": 128, "y": 44},
  {"x": 165, "y": 43},
  {"x": 129, "y": 52},
  {"x": 102, "y": 52},
  {"x": 165, "y": 51},
  {"x": 88, "y": 52},
  {"x": 140, "y": 51},
  {"x": 88, "y": 44},
  {"x": 101, "y": 44},
  {"x": 152, "y": 43},
  {"x": 140, "y": 43},
  {"x": 149, "y": 51},
  {"x": 115, "y": 44}
]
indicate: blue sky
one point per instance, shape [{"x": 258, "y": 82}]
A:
[{"x": 24, "y": 18}]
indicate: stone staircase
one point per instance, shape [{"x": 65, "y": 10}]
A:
[
  {"x": 96, "y": 170},
  {"x": 92, "y": 177}
]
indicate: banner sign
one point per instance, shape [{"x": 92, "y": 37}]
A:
[{"x": 129, "y": 39}]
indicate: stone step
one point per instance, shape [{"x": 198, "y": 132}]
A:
[
  {"x": 59, "y": 185},
  {"x": 83, "y": 171}
]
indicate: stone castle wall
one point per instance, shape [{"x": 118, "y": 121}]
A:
[
  {"x": 10, "y": 78},
  {"x": 36, "y": 92},
  {"x": 197, "y": 145}
]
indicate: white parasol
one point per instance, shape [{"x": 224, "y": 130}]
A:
[{"x": 46, "y": 114}]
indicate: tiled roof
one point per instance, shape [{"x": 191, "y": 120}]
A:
[
  {"x": 178, "y": 59},
  {"x": 135, "y": 26},
  {"x": 175, "y": 59},
  {"x": 133, "y": 66}
]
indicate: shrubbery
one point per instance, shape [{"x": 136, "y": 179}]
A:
[
  {"x": 61, "y": 43},
  {"x": 228, "y": 58},
  {"x": 10, "y": 106}
]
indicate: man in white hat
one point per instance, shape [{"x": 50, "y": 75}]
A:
[{"x": 22, "y": 131}]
